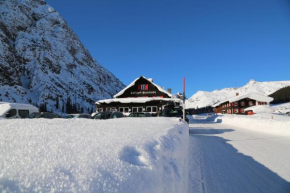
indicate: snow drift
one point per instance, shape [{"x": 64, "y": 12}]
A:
[
  {"x": 120, "y": 155},
  {"x": 259, "y": 123}
]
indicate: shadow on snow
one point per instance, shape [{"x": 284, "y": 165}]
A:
[{"x": 225, "y": 170}]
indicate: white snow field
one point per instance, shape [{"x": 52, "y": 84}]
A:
[
  {"x": 239, "y": 154},
  {"x": 124, "y": 155}
]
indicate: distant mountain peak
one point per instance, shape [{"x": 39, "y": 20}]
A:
[{"x": 252, "y": 81}]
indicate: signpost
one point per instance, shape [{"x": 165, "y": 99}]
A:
[{"x": 183, "y": 98}]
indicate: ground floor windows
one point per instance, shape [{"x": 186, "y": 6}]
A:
[
  {"x": 124, "y": 109},
  {"x": 100, "y": 110},
  {"x": 111, "y": 109},
  {"x": 236, "y": 110},
  {"x": 137, "y": 109},
  {"x": 151, "y": 109}
]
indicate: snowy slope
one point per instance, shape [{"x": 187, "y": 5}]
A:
[
  {"x": 43, "y": 60},
  {"x": 204, "y": 98},
  {"x": 144, "y": 155}
]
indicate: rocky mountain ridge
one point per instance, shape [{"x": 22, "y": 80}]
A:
[{"x": 43, "y": 62}]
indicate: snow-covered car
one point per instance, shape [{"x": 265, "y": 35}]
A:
[{"x": 140, "y": 115}]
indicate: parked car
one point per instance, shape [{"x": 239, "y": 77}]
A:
[
  {"x": 32, "y": 115},
  {"x": 173, "y": 112},
  {"x": 82, "y": 116},
  {"x": 108, "y": 115},
  {"x": 16, "y": 110},
  {"x": 46, "y": 115},
  {"x": 140, "y": 115}
]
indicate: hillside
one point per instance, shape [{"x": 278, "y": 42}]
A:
[
  {"x": 204, "y": 98},
  {"x": 281, "y": 96},
  {"x": 43, "y": 62}
]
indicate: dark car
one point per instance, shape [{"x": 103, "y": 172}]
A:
[
  {"x": 173, "y": 112},
  {"x": 108, "y": 115},
  {"x": 32, "y": 115},
  {"x": 82, "y": 116},
  {"x": 45, "y": 115},
  {"x": 140, "y": 115}
]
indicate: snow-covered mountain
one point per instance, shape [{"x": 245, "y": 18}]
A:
[
  {"x": 42, "y": 60},
  {"x": 204, "y": 98}
]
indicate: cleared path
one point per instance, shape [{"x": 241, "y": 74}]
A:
[{"x": 226, "y": 159}]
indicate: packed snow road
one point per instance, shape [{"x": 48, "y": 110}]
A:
[{"x": 227, "y": 159}]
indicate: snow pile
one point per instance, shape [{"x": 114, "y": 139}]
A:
[
  {"x": 259, "y": 109},
  {"x": 277, "y": 126},
  {"x": 119, "y": 155},
  {"x": 204, "y": 98}
]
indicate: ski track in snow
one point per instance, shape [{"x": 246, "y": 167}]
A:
[{"x": 226, "y": 159}]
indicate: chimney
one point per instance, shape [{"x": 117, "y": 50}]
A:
[
  {"x": 169, "y": 90},
  {"x": 237, "y": 94},
  {"x": 150, "y": 79}
]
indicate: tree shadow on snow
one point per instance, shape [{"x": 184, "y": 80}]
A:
[
  {"x": 200, "y": 131},
  {"x": 225, "y": 170}
]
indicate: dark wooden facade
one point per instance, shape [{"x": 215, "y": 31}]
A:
[
  {"x": 137, "y": 98},
  {"x": 143, "y": 88},
  {"x": 237, "y": 107}
]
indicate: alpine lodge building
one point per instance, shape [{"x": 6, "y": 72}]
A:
[
  {"x": 240, "y": 104},
  {"x": 142, "y": 95}
]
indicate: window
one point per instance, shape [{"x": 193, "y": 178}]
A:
[
  {"x": 236, "y": 110},
  {"x": 111, "y": 109},
  {"x": 242, "y": 103},
  {"x": 242, "y": 110},
  {"x": 11, "y": 113},
  {"x": 143, "y": 87},
  {"x": 137, "y": 109},
  {"x": 100, "y": 109},
  {"x": 23, "y": 113},
  {"x": 151, "y": 109},
  {"x": 236, "y": 104},
  {"x": 124, "y": 109},
  {"x": 250, "y": 103}
]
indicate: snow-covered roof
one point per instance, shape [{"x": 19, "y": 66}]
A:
[
  {"x": 254, "y": 96},
  {"x": 138, "y": 100},
  {"x": 150, "y": 80},
  {"x": 5, "y": 107},
  {"x": 259, "y": 109}
]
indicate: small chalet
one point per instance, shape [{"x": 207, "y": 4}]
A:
[
  {"x": 238, "y": 104},
  {"x": 142, "y": 95}
]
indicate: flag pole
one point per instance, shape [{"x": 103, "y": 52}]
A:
[{"x": 183, "y": 98}]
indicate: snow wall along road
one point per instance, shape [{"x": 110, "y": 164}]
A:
[{"x": 145, "y": 155}]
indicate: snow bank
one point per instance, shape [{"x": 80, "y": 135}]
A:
[
  {"x": 259, "y": 109},
  {"x": 119, "y": 155},
  {"x": 259, "y": 123}
]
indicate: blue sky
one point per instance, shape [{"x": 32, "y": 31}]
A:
[{"x": 213, "y": 44}]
